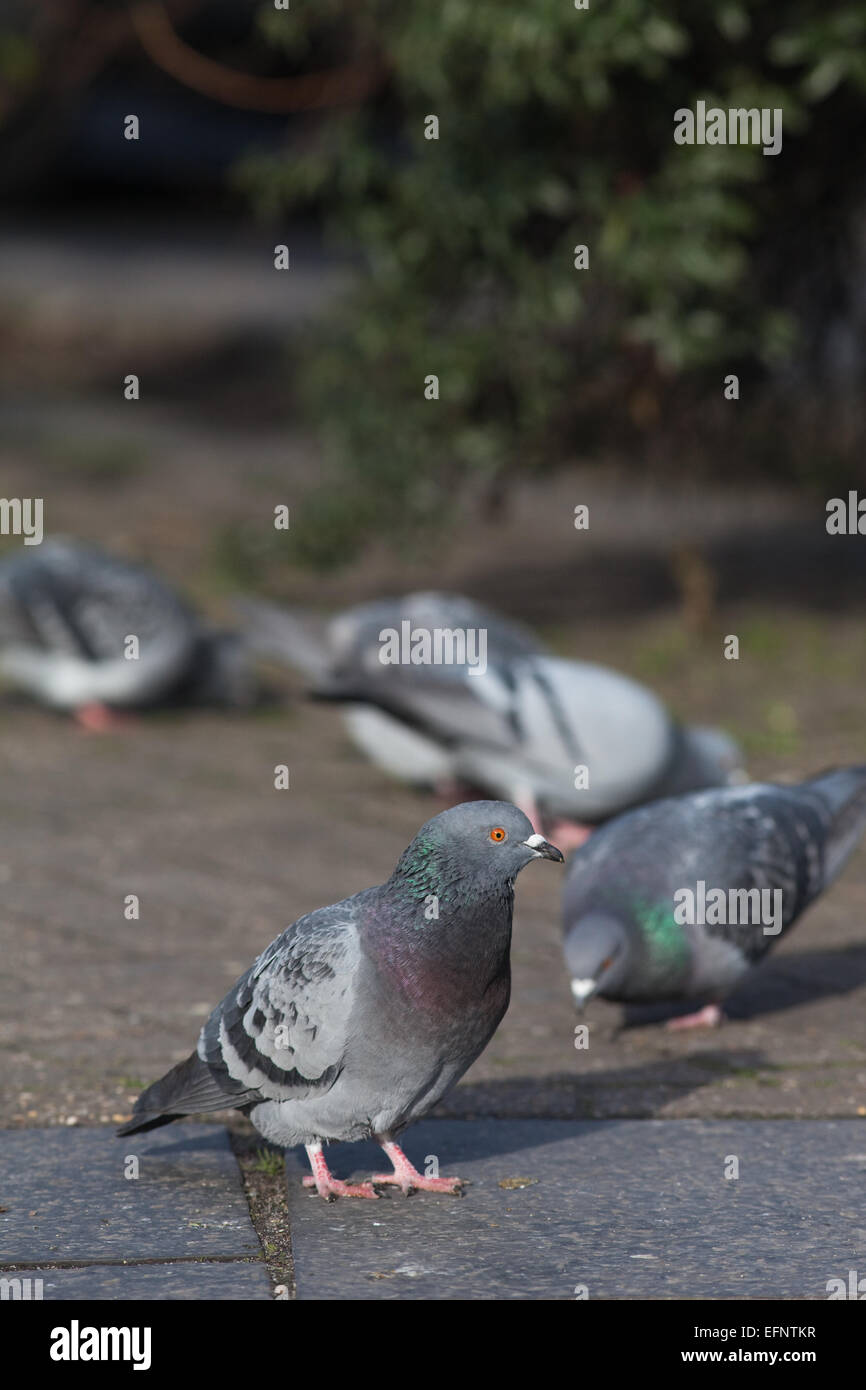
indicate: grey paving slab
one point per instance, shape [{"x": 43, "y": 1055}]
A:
[
  {"x": 628, "y": 1209},
  {"x": 66, "y": 1196},
  {"x": 186, "y": 1281}
]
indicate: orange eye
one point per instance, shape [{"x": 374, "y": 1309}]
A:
[
  {"x": 498, "y": 834},
  {"x": 606, "y": 963}
]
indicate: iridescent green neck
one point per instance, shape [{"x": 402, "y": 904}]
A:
[
  {"x": 421, "y": 871},
  {"x": 665, "y": 939}
]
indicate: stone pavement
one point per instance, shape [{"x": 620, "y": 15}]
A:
[
  {"x": 628, "y": 1209},
  {"x": 182, "y": 1225},
  {"x": 554, "y": 1210}
]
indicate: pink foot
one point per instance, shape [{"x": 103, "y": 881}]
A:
[
  {"x": 328, "y": 1186},
  {"x": 416, "y": 1182},
  {"x": 711, "y": 1016},
  {"x": 565, "y": 834},
  {"x": 335, "y": 1187},
  {"x": 569, "y": 834},
  {"x": 99, "y": 719},
  {"x": 406, "y": 1175}
]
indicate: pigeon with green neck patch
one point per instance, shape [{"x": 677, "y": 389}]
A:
[
  {"x": 360, "y": 1016},
  {"x": 679, "y": 899}
]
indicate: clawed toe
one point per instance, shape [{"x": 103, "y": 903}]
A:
[
  {"x": 453, "y": 1185},
  {"x": 405, "y": 1176},
  {"x": 418, "y": 1183},
  {"x": 391, "y": 1180},
  {"x": 335, "y": 1188}
]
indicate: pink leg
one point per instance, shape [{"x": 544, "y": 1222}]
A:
[
  {"x": 99, "y": 719},
  {"x": 330, "y": 1187},
  {"x": 711, "y": 1016},
  {"x": 565, "y": 834},
  {"x": 406, "y": 1176}
]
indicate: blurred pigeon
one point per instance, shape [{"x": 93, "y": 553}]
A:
[
  {"x": 331, "y": 650},
  {"x": 360, "y": 1016},
  {"x": 677, "y": 900},
  {"x": 67, "y": 612},
  {"x": 564, "y": 740},
  {"x": 339, "y": 653}
]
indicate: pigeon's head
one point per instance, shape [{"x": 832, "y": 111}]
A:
[
  {"x": 597, "y": 952},
  {"x": 482, "y": 842}
]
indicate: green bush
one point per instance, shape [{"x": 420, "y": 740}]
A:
[{"x": 555, "y": 129}]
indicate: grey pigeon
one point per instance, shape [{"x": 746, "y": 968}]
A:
[
  {"x": 564, "y": 740},
  {"x": 67, "y": 611},
  {"x": 679, "y": 899},
  {"x": 360, "y": 1016},
  {"x": 332, "y": 650},
  {"x": 341, "y": 658}
]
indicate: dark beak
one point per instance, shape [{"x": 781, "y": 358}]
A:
[{"x": 544, "y": 849}]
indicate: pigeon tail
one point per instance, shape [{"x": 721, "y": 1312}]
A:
[
  {"x": 190, "y": 1088},
  {"x": 843, "y": 792},
  {"x": 288, "y": 635}
]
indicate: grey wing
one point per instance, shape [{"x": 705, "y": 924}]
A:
[
  {"x": 506, "y": 639},
  {"x": 529, "y": 723},
  {"x": 440, "y": 700},
  {"x": 336, "y": 654},
  {"x": 72, "y": 610},
  {"x": 75, "y": 599},
  {"x": 568, "y": 715},
  {"x": 357, "y": 631},
  {"x": 771, "y": 850},
  {"x": 465, "y": 628},
  {"x": 114, "y": 599},
  {"x": 282, "y": 1031},
  {"x": 14, "y": 625},
  {"x": 37, "y": 593}
]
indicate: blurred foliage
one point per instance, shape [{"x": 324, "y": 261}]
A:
[
  {"x": 18, "y": 59},
  {"x": 555, "y": 129}
]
